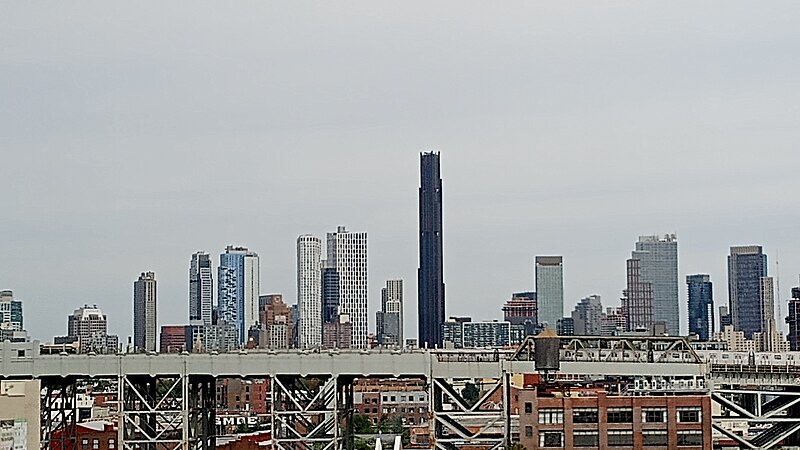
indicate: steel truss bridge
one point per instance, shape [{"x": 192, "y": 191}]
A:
[{"x": 166, "y": 402}]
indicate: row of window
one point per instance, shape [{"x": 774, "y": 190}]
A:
[
  {"x": 617, "y": 438},
  {"x": 112, "y": 444},
  {"x": 385, "y": 410},
  {"x": 405, "y": 421},
  {"x": 403, "y": 398},
  {"x": 615, "y": 415}
]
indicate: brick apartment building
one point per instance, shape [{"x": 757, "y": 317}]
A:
[
  {"x": 592, "y": 419},
  {"x": 237, "y": 396},
  {"x": 381, "y": 398},
  {"x": 95, "y": 435}
]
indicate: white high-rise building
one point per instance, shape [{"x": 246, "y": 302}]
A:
[
  {"x": 201, "y": 289},
  {"x": 550, "y": 289},
  {"x": 89, "y": 326},
  {"x": 238, "y": 282},
  {"x": 309, "y": 290},
  {"x": 347, "y": 256}
]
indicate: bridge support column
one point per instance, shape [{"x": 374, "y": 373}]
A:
[
  {"x": 479, "y": 423},
  {"x": 304, "y": 413},
  {"x": 58, "y": 414},
  {"x": 344, "y": 412},
  {"x": 201, "y": 426}
]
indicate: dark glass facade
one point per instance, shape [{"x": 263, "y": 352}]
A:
[
  {"x": 330, "y": 295},
  {"x": 793, "y": 319},
  {"x": 431, "y": 268},
  {"x": 746, "y": 266},
  {"x": 701, "y": 306}
]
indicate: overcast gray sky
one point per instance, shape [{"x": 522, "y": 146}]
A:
[{"x": 133, "y": 134}]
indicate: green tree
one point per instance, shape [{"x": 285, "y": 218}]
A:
[
  {"x": 405, "y": 438},
  {"x": 391, "y": 425},
  {"x": 363, "y": 444},
  {"x": 470, "y": 393},
  {"x": 362, "y": 424}
]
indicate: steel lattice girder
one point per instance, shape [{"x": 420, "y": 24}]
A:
[
  {"x": 166, "y": 412},
  {"x": 466, "y": 424},
  {"x": 58, "y": 414},
  {"x": 201, "y": 413},
  {"x": 304, "y": 412},
  {"x": 763, "y": 407}
]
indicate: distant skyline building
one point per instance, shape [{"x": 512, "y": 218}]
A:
[
  {"x": 238, "y": 284},
  {"x": 747, "y": 266},
  {"x": 430, "y": 276},
  {"x": 587, "y": 317},
  {"x": 725, "y": 318},
  {"x": 550, "y": 289},
  {"x": 613, "y": 322},
  {"x": 201, "y": 288},
  {"x": 277, "y": 322},
  {"x": 522, "y": 310},
  {"x": 637, "y": 298},
  {"x": 453, "y": 331},
  {"x": 565, "y": 326},
  {"x": 347, "y": 255},
  {"x": 462, "y": 332},
  {"x": 175, "y": 339},
  {"x": 330, "y": 293},
  {"x": 338, "y": 334},
  {"x": 659, "y": 267},
  {"x": 144, "y": 313},
  {"x": 793, "y": 320},
  {"x": 389, "y": 320},
  {"x": 88, "y": 326},
  {"x": 701, "y": 306},
  {"x": 309, "y": 290},
  {"x": 486, "y": 334},
  {"x": 10, "y": 312},
  {"x": 219, "y": 337}
]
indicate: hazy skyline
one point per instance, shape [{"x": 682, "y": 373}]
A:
[{"x": 133, "y": 135}]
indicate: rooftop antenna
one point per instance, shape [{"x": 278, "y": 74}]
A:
[{"x": 778, "y": 287}]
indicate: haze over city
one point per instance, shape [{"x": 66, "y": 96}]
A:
[{"x": 129, "y": 143}]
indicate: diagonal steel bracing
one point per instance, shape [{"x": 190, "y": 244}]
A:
[
  {"x": 771, "y": 415},
  {"x": 166, "y": 412},
  {"x": 309, "y": 412},
  {"x": 58, "y": 414},
  {"x": 459, "y": 423}
]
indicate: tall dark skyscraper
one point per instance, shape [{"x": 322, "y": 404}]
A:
[
  {"x": 701, "y": 306},
  {"x": 793, "y": 319},
  {"x": 330, "y": 294},
  {"x": 749, "y": 290},
  {"x": 431, "y": 268}
]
